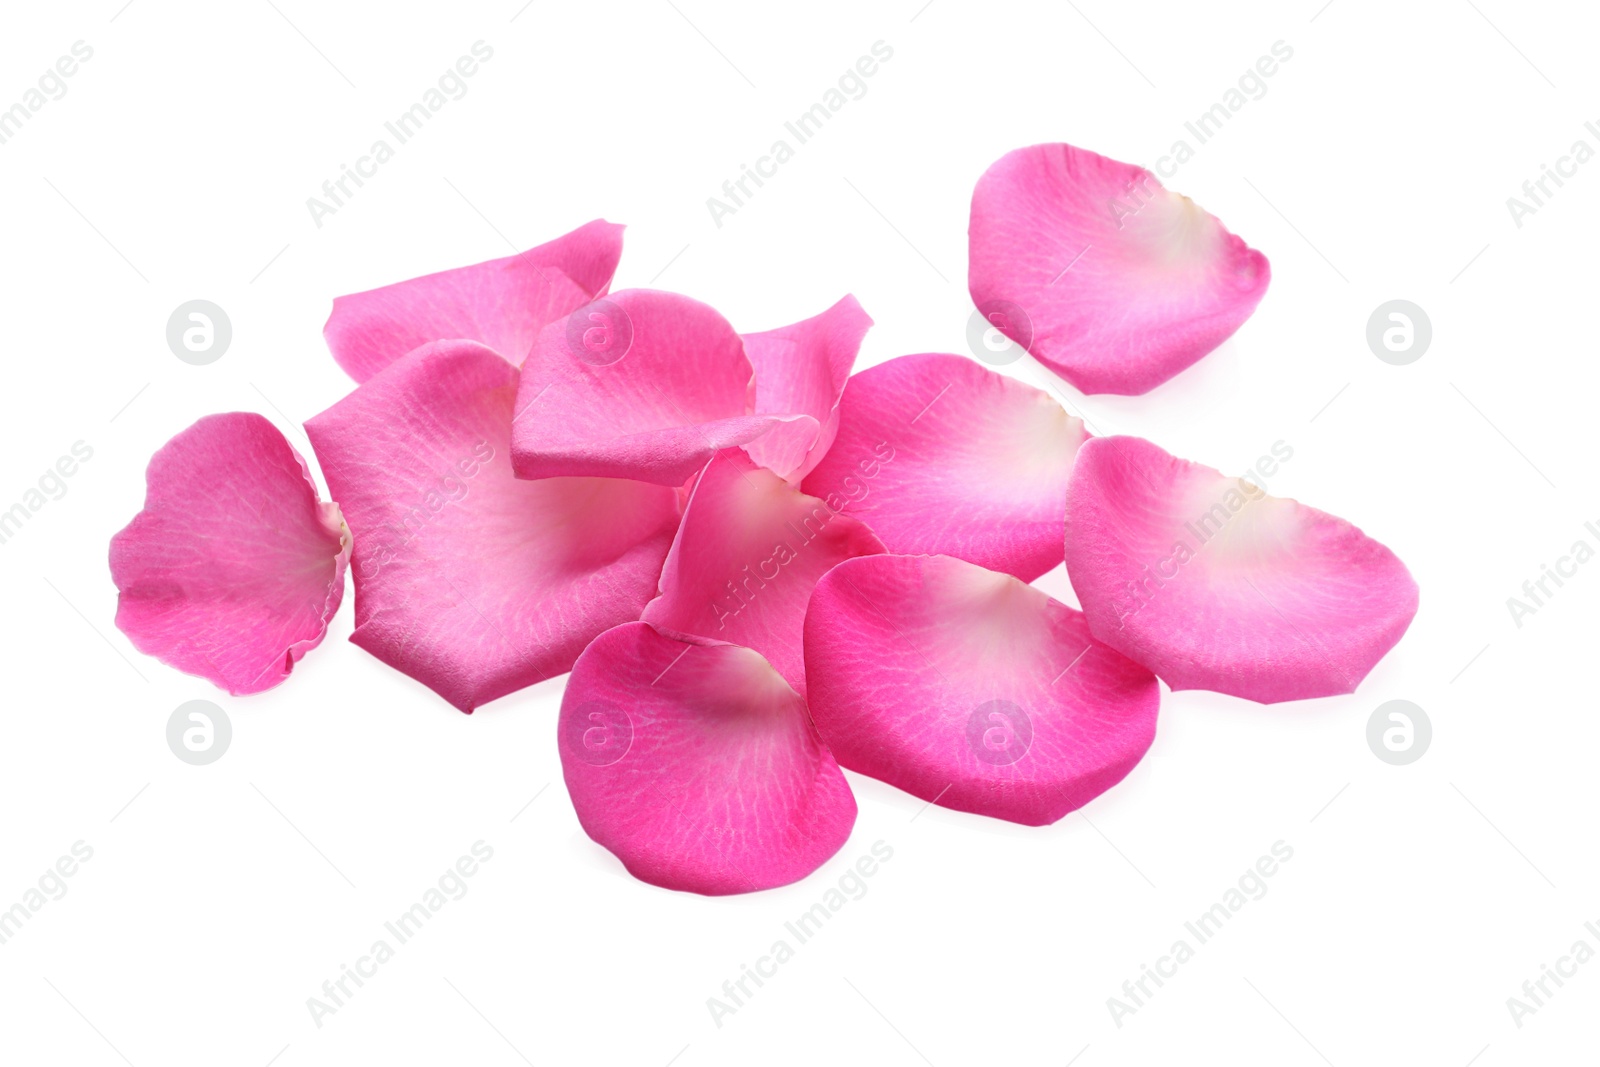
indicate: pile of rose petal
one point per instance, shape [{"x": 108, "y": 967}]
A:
[{"x": 759, "y": 568}]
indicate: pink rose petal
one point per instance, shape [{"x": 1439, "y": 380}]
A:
[
  {"x": 940, "y": 455},
  {"x": 1105, "y": 276},
  {"x": 745, "y": 559},
  {"x": 472, "y": 581},
  {"x": 802, "y": 369},
  {"x": 502, "y": 303},
  {"x": 969, "y": 689},
  {"x": 642, "y": 384},
  {"x": 1213, "y": 584},
  {"x": 233, "y": 568},
  {"x": 697, "y": 765}
]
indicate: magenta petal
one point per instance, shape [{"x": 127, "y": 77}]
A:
[
  {"x": 1213, "y": 584},
  {"x": 747, "y": 555},
  {"x": 233, "y": 568},
  {"x": 1109, "y": 279},
  {"x": 502, "y": 303},
  {"x": 969, "y": 689},
  {"x": 697, "y": 765},
  {"x": 642, "y": 384},
  {"x": 940, "y": 455},
  {"x": 802, "y": 369},
  {"x": 470, "y": 580}
]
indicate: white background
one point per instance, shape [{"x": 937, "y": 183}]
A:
[{"x": 1377, "y": 166}]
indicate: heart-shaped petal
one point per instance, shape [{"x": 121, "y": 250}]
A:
[
  {"x": 696, "y": 764},
  {"x": 1213, "y": 584},
  {"x": 1105, "y": 276},
  {"x": 940, "y": 455},
  {"x": 971, "y": 690},
  {"x": 234, "y": 567},
  {"x": 468, "y": 579},
  {"x": 502, "y": 303},
  {"x": 641, "y": 384},
  {"x": 746, "y": 557}
]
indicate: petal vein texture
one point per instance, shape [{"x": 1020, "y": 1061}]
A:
[
  {"x": 234, "y": 568},
  {"x": 697, "y": 766},
  {"x": 502, "y": 303},
  {"x": 943, "y": 456},
  {"x": 748, "y": 553},
  {"x": 471, "y": 581},
  {"x": 1105, "y": 276},
  {"x": 1213, "y": 584},
  {"x": 970, "y": 689}
]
